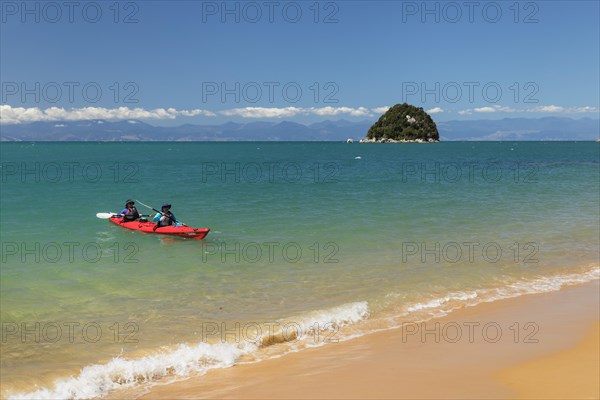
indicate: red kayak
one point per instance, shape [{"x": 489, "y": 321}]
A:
[{"x": 148, "y": 227}]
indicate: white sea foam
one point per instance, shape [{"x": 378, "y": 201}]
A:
[
  {"x": 435, "y": 303},
  {"x": 444, "y": 304},
  {"x": 343, "y": 315},
  {"x": 300, "y": 327},
  {"x": 544, "y": 284},
  {"x": 98, "y": 379}
]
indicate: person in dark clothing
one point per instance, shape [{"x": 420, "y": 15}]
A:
[{"x": 129, "y": 213}]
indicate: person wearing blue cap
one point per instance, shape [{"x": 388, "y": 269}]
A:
[{"x": 165, "y": 217}]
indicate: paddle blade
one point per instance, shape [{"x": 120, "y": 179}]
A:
[{"x": 105, "y": 215}]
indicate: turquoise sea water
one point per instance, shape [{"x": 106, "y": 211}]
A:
[{"x": 324, "y": 239}]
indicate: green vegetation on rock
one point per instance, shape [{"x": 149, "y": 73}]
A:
[{"x": 404, "y": 122}]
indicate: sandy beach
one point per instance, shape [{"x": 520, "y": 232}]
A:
[{"x": 534, "y": 346}]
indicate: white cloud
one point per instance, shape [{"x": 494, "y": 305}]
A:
[
  {"x": 355, "y": 112},
  {"x": 435, "y": 110},
  {"x": 550, "y": 108},
  {"x": 484, "y": 110},
  {"x": 380, "y": 110},
  {"x": 559, "y": 109},
  {"x": 262, "y": 112},
  {"x": 16, "y": 115},
  {"x": 492, "y": 109},
  {"x": 194, "y": 113},
  {"x": 274, "y": 112},
  {"x": 586, "y": 109},
  {"x": 537, "y": 109}
]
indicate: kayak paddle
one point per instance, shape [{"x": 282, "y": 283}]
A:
[
  {"x": 107, "y": 215},
  {"x": 160, "y": 212}
]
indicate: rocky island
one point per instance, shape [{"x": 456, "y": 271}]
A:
[{"x": 403, "y": 123}]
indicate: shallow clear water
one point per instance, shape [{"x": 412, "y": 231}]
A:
[{"x": 357, "y": 236}]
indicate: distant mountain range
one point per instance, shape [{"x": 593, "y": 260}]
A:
[{"x": 549, "y": 128}]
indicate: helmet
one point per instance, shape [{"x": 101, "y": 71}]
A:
[
  {"x": 165, "y": 205},
  {"x": 129, "y": 201}
]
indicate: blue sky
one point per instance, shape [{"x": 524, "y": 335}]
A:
[{"x": 304, "y": 61}]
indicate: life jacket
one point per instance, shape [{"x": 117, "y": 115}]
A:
[
  {"x": 131, "y": 215},
  {"x": 167, "y": 220}
]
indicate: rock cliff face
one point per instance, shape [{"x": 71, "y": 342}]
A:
[{"x": 403, "y": 123}]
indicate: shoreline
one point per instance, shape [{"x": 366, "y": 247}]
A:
[
  {"x": 492, "y": 350},
  {"x": 367, "y": 140},
  {"x": 134, "y": 376}
]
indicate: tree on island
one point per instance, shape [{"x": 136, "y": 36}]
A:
[{"x": 404, "y": 122}]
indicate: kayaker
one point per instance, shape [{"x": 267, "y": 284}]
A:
[
  {"x": 129, "y": 213},
  {"x": 165, "y": 217}
]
